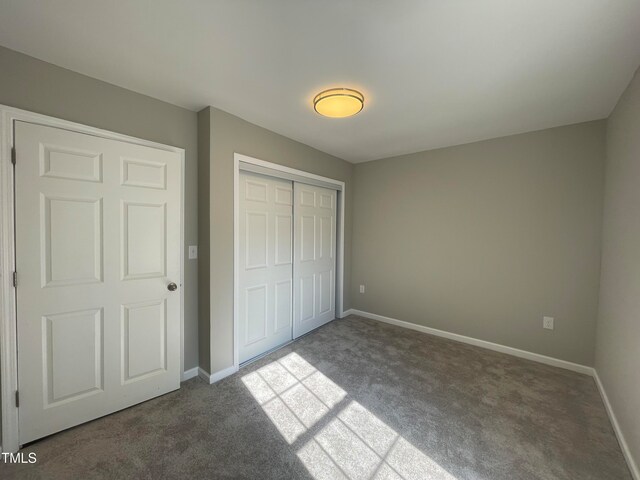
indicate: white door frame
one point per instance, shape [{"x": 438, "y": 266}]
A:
[
  {"x": 8, "y": 319},
  {"x": 287, "y": 173}
]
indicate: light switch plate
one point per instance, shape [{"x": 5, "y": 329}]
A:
[
  {"x": 547, "y": 322},
  {"x": 193, "y": 252}
]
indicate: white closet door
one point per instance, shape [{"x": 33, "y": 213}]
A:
[
  {"x": 97, "y": 246},
  {"x": 314, "y": 257},
  {"x": 265, "y": 273}
]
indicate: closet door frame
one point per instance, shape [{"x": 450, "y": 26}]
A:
[{"x": 250, "y": 164}]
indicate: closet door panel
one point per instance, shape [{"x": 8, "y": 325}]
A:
[
  {"x": 265, "y": 264},
  {"x": 314, "y": 266}
]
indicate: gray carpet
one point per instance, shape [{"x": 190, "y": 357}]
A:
[{"x": 354, "y": 399}]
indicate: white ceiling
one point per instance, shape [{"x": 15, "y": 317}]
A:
[{"x": 434, "y": 72}]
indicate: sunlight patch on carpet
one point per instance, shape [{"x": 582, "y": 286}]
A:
[{"x": 352, "y": 443}]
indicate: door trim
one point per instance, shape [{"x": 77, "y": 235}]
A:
[
  {"x": 8, "y": 320},
  {"x": 244, "y": 162}
]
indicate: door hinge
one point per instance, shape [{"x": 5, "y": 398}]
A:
[
  {"x": 15, "y": 279},
  {"x": 17, "y": 399},
  {"x": 13, "y": 155}
]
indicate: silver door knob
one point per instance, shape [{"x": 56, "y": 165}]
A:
[{"x": 172, "y": 287}]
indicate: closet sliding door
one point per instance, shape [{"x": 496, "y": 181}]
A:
[
  {"x": 287, "y": 261},
  {"x": 265, "y": 264},
  {"x": 314, "y": 268}
]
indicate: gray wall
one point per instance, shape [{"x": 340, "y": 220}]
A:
[
  {"x": 41, "y": 87},
  {"x": 484, "y": 239},
  {"x": 229, "y": 135},
  {"x": 618, "y": 345},
  {"x": 204, "y": 235}
]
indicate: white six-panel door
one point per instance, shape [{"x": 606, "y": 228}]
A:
[
  {"x": 265, "y": 264},
  {"x": 314, "y": 270},
  {"x": 97, "y": 244}
]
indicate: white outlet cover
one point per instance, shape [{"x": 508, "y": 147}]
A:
[
  {"x": 361, "y": 288},
  {"x": 547, "y": 322},
  {"x": 193, "y": 252}
]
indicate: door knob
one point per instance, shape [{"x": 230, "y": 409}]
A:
[{"x": 172, "y": 287}]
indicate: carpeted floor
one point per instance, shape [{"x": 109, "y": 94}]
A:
[{"x": 354, "y": 399}]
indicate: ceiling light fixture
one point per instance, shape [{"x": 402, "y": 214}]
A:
[{"x": 338, "y": 102}]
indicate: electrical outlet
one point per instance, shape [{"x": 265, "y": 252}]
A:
[
  {"x": 361, "y": 288},
  {"x": 193, "y": 252},
  {"x": 547, "y": 322}
]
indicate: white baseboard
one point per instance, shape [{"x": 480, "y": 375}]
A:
[
  {"x": 536, "y": 357},
  {"x": 204, "y": 375},
  {"x": 346, "y": 313},
  {"x": 633, "y": 466},
  {"x": 217, "y": 376},
  {"x": 189, "y": 374}
]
